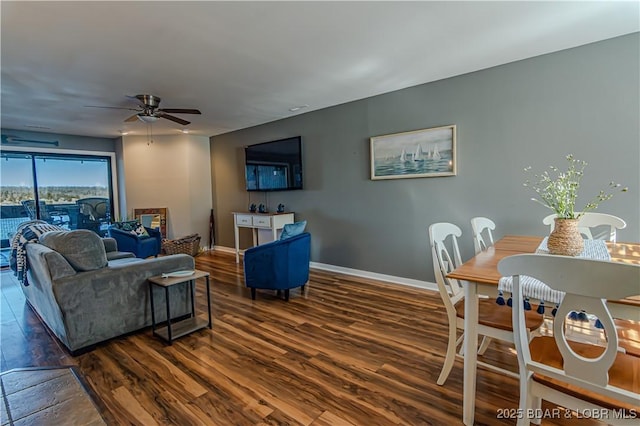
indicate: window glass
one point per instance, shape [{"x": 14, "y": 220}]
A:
[
  {"x": 16, "y": 194},
  {"x": 72, "y": 191}
]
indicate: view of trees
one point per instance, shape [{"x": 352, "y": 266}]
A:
[{"x": 14, "y": 195}]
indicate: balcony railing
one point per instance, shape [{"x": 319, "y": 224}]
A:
[{"x": 88, "y": 213}]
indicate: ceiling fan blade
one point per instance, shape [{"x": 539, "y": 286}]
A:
[
  {"x": 134, "y": 117},
  {"x": 172, "y": 118},
  {"x": 110, "y": 107},
  {"x": 180, "y": 110}
]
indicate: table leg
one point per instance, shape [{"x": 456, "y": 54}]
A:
[
  {"x": 208, "y": 302},
  {"x": 166, "y": 299},
  {"x": 193, "y": 303},
  {"x": 236, "y": 234},
  {"x": 153, "y": 311},
  {"x": 470, "y": 348},
  {"x": 255, "y": 236}
]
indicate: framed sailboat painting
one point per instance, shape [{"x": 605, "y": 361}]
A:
[{"x": 416, "y": 154}]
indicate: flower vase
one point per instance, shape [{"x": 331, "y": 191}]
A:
[{"x": 565, "y": 239}]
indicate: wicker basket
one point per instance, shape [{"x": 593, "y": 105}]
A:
[{"x": 188, "y": 245}]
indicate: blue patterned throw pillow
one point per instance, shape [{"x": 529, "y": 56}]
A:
[
  {"x": 293, "y": 229},
  {"x": 133, "y": 227}
]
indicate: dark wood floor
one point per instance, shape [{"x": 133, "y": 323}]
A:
[{"x": 349, "y": 351}]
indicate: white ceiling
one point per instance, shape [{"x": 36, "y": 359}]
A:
[{"x": 247, "y": 63}]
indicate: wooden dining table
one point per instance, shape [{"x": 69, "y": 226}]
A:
[{"x": 482, "y": 271}]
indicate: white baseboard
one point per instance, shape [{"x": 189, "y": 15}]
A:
[
  {"x": 375, "y": 276},
  {"x": 224, "y": 249},
  {"x": 354, "y": 272}
]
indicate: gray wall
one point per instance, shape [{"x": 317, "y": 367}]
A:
[{"x": 533, "y": 112}]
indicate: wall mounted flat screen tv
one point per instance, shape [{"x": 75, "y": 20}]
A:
[{"x": 274, "y": 166}]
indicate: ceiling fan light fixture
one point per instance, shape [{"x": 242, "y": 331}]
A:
[{"x": 147, "y": 118}]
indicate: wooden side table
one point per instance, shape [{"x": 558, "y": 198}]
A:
[{"x": 181, "y": 328}]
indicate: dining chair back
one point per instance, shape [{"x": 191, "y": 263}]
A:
[
  {"x": 494, "y": 321},
  {"x": 590, "y": 220},
  {"x": 482, "y": 236},
  {"x": 595, "y": 378}
]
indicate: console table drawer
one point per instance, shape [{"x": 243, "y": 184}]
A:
[
  {"x": 265, "y": 226},
  {"x": 244, "y": 219},
  {"x": 262, "y": 221}
]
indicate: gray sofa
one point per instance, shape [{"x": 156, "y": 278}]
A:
[{"x": 88, "y": 292}]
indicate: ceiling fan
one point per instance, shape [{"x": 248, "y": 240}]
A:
[{"x": 149, "y": 112}]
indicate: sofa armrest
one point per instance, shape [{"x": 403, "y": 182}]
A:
[
  {"x": 47, "y": 265},
  {"x": 110, "y": 244},
  {"x": 157, "y": 235},
  {"x": 153, "y": 232}
]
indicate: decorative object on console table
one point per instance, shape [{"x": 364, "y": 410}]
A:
[
  {"x": 565, "y": 239},
  {"x": 262, "y": 208},
  {"x": 252, "y": 208},
  {"x": 559, "y": 193},
  {"x": 280, "y": 208}
]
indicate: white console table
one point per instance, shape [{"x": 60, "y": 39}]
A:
[{"x": 270, "y": 222}]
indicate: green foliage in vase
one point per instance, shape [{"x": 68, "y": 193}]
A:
[{"x": 558, "y": 190}]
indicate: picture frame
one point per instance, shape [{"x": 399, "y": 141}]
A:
[
  {"x": 415, "y": 154},
  {"x": 155, "y": 216}
]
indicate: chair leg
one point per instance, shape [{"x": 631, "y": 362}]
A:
[
  {"x": 450, "y": 356},
  {"x": 302, "y": 289},
  {"x": 484, "y": 345},
  {"x": 286, "y": 295},
  {"x": 526, "y": 402},
  {"x": 253, "y": 293}
]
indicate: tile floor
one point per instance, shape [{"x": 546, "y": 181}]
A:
[{"x": 46, "y": 396}]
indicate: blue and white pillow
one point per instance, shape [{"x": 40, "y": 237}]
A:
[{"x": 293, "y": 229}]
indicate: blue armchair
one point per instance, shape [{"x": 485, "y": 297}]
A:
[
  {"x": 279, "y": 265},
  {"x": 142, "y": 246}
]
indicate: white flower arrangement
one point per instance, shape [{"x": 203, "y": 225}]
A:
[{"x": 559, "y": 193}]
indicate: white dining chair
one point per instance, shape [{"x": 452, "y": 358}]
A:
[
  {"x": 583, "y": 377},
  {"x": 494, "y": 320},
  {"x": 482, "y": 228},
  {"x": 591, "y": 220},
  {"x": 482, "y": 236}
]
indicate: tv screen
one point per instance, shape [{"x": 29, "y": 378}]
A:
[{"x": 274, "y": 166}]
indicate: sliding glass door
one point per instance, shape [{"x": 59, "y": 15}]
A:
[{"x": 71, "y": 191}]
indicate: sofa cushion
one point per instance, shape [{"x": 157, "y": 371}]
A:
[
  {"x": 82, "y": 248},
  {"x": 293, "y": 229},
  {"x": 113, "y": 255}
]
